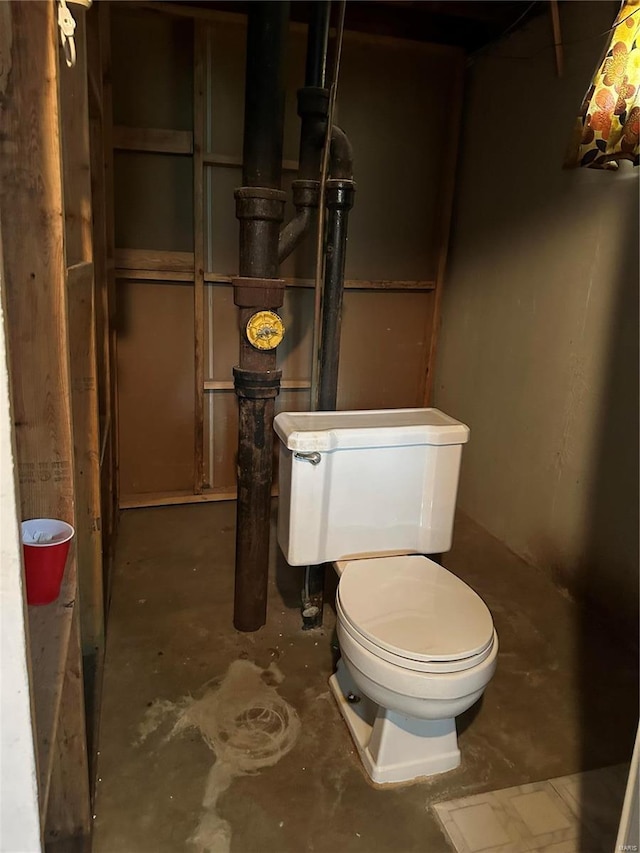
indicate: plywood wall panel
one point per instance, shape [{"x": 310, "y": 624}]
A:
[
  {"x": 153, "y": 195},
  {"x": 152, "y": 69},
  {"x": 222, "y": 239},
  {"x": 384, "y": 338},
  {"x": 227, "y": 88},
  {"x": 394, "y": 102},
  {"x": 294, "y": 353},
  {"x": 223, "y": 324},
  {"x": 155, "y": 386}
]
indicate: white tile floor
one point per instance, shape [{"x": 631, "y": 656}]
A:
[{"x": 571, "y": 814}]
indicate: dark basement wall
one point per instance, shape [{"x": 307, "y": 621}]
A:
[{"x": 539, "y": 341}]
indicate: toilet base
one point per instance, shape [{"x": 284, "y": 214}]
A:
[{"x": 394, "y": 748}]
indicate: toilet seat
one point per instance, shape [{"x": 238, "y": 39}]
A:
[
  {"x": 410, "y": 611},
  {"x": 433, "y": 667}
]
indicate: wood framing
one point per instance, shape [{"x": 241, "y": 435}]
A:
[
  {"x": 68, "y": 819},
  {"x": 102, "y": 308},
  {"x": 76, "y": 158},
  {"x": 33, "y": 218},
  {"x": 150, "y": 259},
  {"x": 86, "y": 430},
  {"x": 395, "y": 266},
  {"x": 110, "y": 478},
  {"x": 199, "y": 84},
  {"x": 154, "y": 140}
]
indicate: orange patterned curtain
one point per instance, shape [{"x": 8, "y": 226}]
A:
[{"x": 607, "y": 127}]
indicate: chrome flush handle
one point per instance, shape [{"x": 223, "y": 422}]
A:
[{"x": 314, "y": 457}]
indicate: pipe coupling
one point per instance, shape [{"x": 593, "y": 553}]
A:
[
  {"x": 260, "y": 203},
  {"x": 258, "y": 292},
  {"x": 256, "y": 385},
  {"x": 305, "y": 193},
  {"x": 339, "y": 194},
  {"x": 313, "y": 101}
]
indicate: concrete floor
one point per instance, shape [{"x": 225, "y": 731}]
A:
[{"x": 564, "y": 699}]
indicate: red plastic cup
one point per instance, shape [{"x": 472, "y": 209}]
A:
[{"x": 45, "y": 543}]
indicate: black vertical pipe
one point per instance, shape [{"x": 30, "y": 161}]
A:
[
  {"x": 313, "y": 108},
  {"x": 260, "y": 209},
  {"x": 264, "y": 94},
  {"x": 317, "y": 42},
  {"x": 339, "y": 200}
]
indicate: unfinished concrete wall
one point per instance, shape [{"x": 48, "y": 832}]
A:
[{"x": 539, "y": 341}]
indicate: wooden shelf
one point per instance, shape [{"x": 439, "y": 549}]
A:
[{"x": 49, "y": 633}]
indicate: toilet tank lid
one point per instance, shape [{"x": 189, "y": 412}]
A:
[{"x": 317, "y": 431}]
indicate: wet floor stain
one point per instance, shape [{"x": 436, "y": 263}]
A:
[{"x": 246, "y": 724}]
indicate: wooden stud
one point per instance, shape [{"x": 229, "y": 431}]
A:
[
  {"x": 86, "y": 431},
  {"x": 111, "y": 481},
  {"x": 101, "y": 275},
  {"x": 557, "y": 36},
  {"x": 49, "y": 639},
  {"x": 74, "y": 117},
  {"x": 68, "y": 821},
  {"x": 75, "y": 148},
  {"x": 445, "y": 206},
  {"x": 32, "y": 215},
  {"x": 222, "y": 493},
  {"x": 199, "y": 86}
]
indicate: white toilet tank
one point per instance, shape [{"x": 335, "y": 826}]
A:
[{"x": 367, "y": 483}]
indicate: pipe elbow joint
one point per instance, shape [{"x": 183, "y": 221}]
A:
[{"x": 341, "y": 154}]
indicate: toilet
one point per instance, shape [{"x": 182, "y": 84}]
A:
[{"x": 373, "y": 492}]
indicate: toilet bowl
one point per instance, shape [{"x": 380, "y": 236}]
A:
[{"x": 418, "y": 648}]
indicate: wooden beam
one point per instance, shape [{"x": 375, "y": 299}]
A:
[
  {"x": 151, "y": 259},
  {"x": 221, "y": 493},
  {"x": 32, "y": 219},
  {"x": 199, "y": 85},
  {"x": 350, "y": 284},
  {"x": 153, "y": 140},
  {"x": 213, "y": 159},
  {"x": 148, "y": 264},
  {"x": 153, "y": 275}
]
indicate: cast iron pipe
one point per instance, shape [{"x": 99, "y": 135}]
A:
[
  {"x": 339, "y": 200},
  {"x": 260, "y": 209},
  {"x": 317, "y": 43},
  {"x": 313, "y": 108}
]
